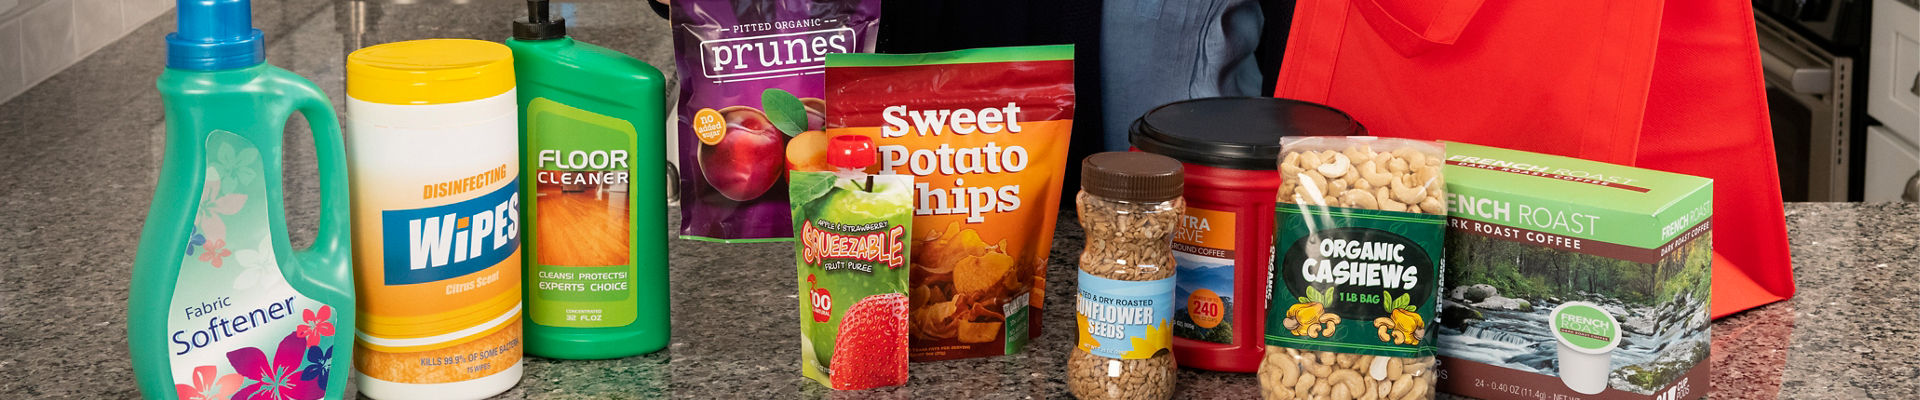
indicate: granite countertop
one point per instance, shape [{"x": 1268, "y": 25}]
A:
[{"x": 82, "y": 148}]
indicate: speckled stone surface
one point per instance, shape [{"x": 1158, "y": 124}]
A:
[
  {"x": 80, "y": 151},
  {"x": 1853, "y": 317}
]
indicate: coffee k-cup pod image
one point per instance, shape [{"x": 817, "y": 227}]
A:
[{"x": 1587, "y": 335}]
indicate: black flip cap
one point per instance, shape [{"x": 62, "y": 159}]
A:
[{"x": 539, "y": 25}]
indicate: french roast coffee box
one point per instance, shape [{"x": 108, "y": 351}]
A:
[{"x": 1574, "y": 279}]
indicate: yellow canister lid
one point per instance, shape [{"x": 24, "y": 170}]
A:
[{"x": 432, "y": 71}]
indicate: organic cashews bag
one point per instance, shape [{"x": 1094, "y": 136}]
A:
[
  {"x": 749, "y": 81},
  {"x": 984, "y": 133},
  {"x": 1358, "y": 252}
]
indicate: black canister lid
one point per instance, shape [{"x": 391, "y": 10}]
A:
[
  {"x": 1235, "y": 132},
  {"x": 1132, "y": 176}
]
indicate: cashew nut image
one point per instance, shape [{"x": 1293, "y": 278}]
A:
[
  {"x": 1304, "y": 375},
  {"x": 1359, "y": 155},
  {"x": 1330, "y": 321},
  {"x": 1337, "y": 168},
  {"x": 1360, "y": 198},
  {"x": 1371, "y": 173}
]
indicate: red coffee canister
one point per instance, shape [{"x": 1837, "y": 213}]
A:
[{"x": 1230, "y": 146}]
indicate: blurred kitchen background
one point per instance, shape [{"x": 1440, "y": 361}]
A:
[
  {"x": 1841, "y": 85},
  {"x": 1843, "y": 78}
]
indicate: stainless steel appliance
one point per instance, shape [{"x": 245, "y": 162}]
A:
[{"x": 1811, "y": 99}]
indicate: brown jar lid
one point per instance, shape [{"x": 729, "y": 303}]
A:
[{"x": 1132, "y": 176}]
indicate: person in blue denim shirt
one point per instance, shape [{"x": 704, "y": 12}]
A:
[{"x": 1155, "y": 52}]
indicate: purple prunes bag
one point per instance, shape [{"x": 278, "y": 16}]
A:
[{"x": 750, "y": 78}]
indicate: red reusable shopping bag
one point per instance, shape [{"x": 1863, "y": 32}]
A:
[{"x": 1673, "y": 86}]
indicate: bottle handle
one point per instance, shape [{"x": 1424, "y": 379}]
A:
[
  {"x": 330, "y": 246},
  {"x": 324, "y": 270}
]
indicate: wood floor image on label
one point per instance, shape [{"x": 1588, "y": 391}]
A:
[{"x": 587, "y": 226}]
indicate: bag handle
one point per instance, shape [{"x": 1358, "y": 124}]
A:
[{"x": 1448, "y": 22}]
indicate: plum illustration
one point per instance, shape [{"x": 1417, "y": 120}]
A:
[
  {"x": 808, "y": 152},
  {"x": 816, "y": 113},
  {"x": 749, "y": 159}
]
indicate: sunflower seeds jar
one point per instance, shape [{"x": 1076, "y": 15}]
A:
[
  {"x": 1128, "y": 203},
  {"x": 1356, "y": 267}
]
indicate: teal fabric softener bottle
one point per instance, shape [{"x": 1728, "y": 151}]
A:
[
  {"x": 220, "y": 304},
  {"x": 591, "y": 122}
]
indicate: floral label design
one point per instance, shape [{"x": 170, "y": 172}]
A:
[{"x": 236, "y": 329}]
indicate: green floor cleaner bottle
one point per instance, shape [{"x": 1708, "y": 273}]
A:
[
  {"x": 220, "y": 305},
  {"x": 591, "y": 122}
]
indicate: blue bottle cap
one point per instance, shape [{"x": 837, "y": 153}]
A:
[{"x": 215, "y": 35}]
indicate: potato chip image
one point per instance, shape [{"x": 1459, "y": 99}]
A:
[
  {"x": 979, "y": 332},
  {"x": 938, "y": 255},
  {"x": 1039, "y": 289},
  {"x": 978, "y": 274},
  {"x": 934, "y": 321}
]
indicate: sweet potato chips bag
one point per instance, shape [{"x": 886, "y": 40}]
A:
[{"x": 984, "y": 133}]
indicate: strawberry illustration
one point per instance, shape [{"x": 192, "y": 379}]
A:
[{"x": 871, "y": 350}]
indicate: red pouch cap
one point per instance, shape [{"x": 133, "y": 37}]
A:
[{"x": 850, "y": 151}]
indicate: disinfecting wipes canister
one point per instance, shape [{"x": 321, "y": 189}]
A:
[{"x": 432, "y": 148}]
